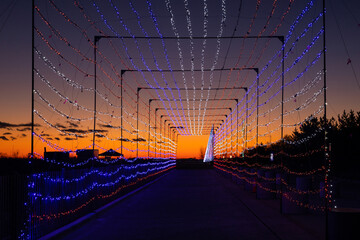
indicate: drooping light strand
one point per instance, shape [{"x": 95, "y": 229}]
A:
[
  {"x": 192, "y": 57},
  {"x": 216, "y": 57},
  {"x": 202, "y": 63},
  {"x": 140, "y": 53},
  {"x": 169, "y": 66}
]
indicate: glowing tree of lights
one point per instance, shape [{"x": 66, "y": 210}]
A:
[{"x": 209, "y": 154}]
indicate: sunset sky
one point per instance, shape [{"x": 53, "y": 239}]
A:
[{"x": 73, "y": 129}]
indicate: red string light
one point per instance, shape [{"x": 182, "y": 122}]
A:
[{"x": 100, "y": 196}]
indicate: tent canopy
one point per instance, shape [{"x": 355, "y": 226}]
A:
[{"x": 111, "y": 153}]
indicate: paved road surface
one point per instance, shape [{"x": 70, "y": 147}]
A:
[{"x": 196, "y": 204}]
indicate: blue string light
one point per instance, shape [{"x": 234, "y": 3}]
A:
[{"x": 95, "y": 185}]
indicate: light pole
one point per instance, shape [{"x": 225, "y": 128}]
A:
[
  {"x": 97, "y": 38},
  {"x": 156, "y": 132},
  {"x": 161, "y": 137},
  {"x": 121, "y": 105},
  {"x": 230, "y": 134},
  {"x": 166, "y": 143},
  {"x": 150, "y": 100}
]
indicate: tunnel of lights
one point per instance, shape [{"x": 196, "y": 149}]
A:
[{"x": 137, "y": 76}]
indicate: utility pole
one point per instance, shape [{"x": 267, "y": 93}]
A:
[{"x": 32, "y": 79}]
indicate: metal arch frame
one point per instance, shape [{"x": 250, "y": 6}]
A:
[{"x": 158, "y": 99}]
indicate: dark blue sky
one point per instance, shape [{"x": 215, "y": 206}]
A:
[
  {"x": 15, "y": 61},
  {"x": 343, "y": 49}
]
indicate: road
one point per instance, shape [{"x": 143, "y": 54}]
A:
[{"x": 196, "y": 204}]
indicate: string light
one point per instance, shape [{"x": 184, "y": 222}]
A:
[
  {"x": 292, "y": 27},
  {"x": 168, "y": 62},
  {"x": 286, "y": 194},
  {"x": 274, "y": 5},
  {"x": 181, "y": 60},
  {"x": 101, "y": 173},
  {"x": 112, "y": 176},
  {"x": 55, "y": 146},
  {"x": 84, "y": 33},
  {"x": 58, "y": 111},
  {"x": 100, "y": 196},
  {"x": 77, "y": 85},
  {"x": 298, "y": 76},
  {"x": 141, "y": 55},
  {"x": 258, "y": 2},
  {"x": 267, "y": 42},
  {"x": 96, "y": 185},
  {"x": 74, "y": 103},
  {"x": 216, "y": 57},
  {"x": 303, "y": 91},
  {"x": 58, "y": 53},
  {"x": 152, "y": 51},
  {"x": 202, "y": 63},
  {"x": 304, "y": 205},
  {"x": 272, "y": 167},
  {"x": 192, "y": 57}
]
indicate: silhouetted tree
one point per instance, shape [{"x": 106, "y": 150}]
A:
[
  {"x": 202, "y": 152},
  {"x": 343, "y": 137},
  {"x": 345, "y": 144}
]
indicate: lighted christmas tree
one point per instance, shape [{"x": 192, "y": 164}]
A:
[{"x": 209, "y": 154}]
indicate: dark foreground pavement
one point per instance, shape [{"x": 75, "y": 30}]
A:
[{"x": 197, "y": 204}]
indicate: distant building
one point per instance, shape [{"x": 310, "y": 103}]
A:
[
  {"x": 56, "y": 155},
  {"x": 86, "y": 154}
]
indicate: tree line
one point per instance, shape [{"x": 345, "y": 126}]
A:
[{"x": 303, "y": 149}]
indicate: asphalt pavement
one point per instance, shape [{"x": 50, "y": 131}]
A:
[{"x": 197, "y": 204}]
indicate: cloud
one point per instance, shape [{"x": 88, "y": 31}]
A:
[
  {"x": 13, "y": 138},
  {"x": 73, "y": 130},
  {"x": 45, "y": 135},
  {"x": 73, "y": 124},
  {"x": 59, "y": 125},
  {"x": 124, "y": 140},
  {"x": 100, "y": 131},
  {"x": 4, "y": 138},
  {"x": 23, "y": 135},
  {"x": 105, "y": 125},
  {"x": 57, "y": 138},
  {"x": 81, "y": 131},
  {"x": 7, "y": 133},
  {"x": 11, "y": 125},
  {"x": 23, "y": 129},
  {"x": 49, "y": 138},
  {"x": 70, "y": 139},
  {"x": 139, "y": 140}
]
